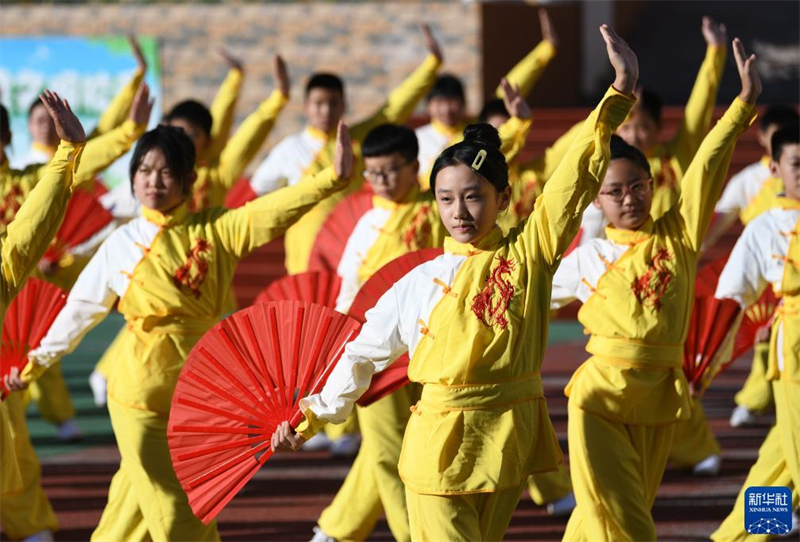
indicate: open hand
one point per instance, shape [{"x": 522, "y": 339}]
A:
[
  {"x": 284, "y": 439},
  {"x": 431, "y": 44},
  {"x": 343, "y": 158},
  {"x": 516, "y": 105},
  {"x": 13, "y": 382},
  {"x": 622, "y": 59},
  {"x": 548, "y": 30},
  {"x": 714, "y": 33},
  {"x": 137, "y": 52},
  {"x": 751, "y": 81},
  {"x": 232, "y": 61},
  {"x": 68, "y": 127},
  {"x": 281, "y": 74},
  {"x": 142, "y": 106}
]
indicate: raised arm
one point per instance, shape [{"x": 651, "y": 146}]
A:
[
  {"x": 703, "y": 181},
  {"x": 404, "y": 99},
  {"x": 269, "y": 216},
  {"x": 543, "y": 166},
  {"x": 514, "y": 132},
  {"x": 575, "y": 183},
  {"x": 251, "y": 135},
  {"x": 119, "y": 109},
  {"x": 38, "y": 219},
  {"x": 223, "y": 108},
  {"x": 528, "y": 70},
  {"x": 700, "y": 107}
]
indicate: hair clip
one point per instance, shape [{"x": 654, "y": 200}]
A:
[{"x": 479, "y": 159}]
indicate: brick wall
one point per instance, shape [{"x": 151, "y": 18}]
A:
[{"x": 372, "y": 45}]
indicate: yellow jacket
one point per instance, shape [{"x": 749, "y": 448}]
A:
[
  {"x": 638, "y": 314},
  {"x": 223, "y": 113},
  {"x": 22, "y": 245},
  {"x": 766, "y": 198},
  {"x": 172, "y": 274},
  {"x": 669, "y": 161},
  {"x": 475, "y": 323},
  {"x": 527, "y": 72}
]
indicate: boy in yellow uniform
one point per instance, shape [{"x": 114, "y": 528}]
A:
[
  {"x": 637, "y": 289},
  {"x": 24, "y": 509},
  {"x": 171, "y": 271},
  {"x": 475, "y": 324},
  {"x": 768, "y": 253}
]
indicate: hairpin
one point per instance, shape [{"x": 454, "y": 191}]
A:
[{"x": 479, "y": 159}]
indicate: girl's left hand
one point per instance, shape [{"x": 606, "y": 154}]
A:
[
  {"x": 285, "y": 439},
  {"x": 13, "y": 382}
]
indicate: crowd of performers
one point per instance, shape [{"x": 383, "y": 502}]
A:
[{"x": 447, "y": 457}]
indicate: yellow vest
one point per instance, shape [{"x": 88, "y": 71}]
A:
[
  {"x": 764, "y": 200},
  {"x": 788, "y": 312}
]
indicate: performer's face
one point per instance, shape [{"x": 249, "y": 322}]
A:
[
  {"x": 154, "y": 184},
  {"x": 324, "y": 108},
  {"x": 788, "y": 170},
  {"x": 468, "y": 203},
  {"x": 640, "y": 130},
  {"x": 625, "y": 195},
  {"x": 391, "y": 176}
]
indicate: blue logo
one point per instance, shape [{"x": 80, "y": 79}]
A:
[{"x": 768, "y": 510}]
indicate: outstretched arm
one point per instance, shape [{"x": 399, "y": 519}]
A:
[
  {"x": 703, "y": 181},
  {"x": 223, "y": 108},
  {"x": 514, "y": 132},
  {"x": 575, "y": 183},
  {"x": 528, "y": 70}
]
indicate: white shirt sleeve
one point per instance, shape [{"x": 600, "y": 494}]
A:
[
  {"x": 121, "y": 203},
  {"x": 742, "y": 279},
  {"x": 566, "y": 281},
  {"x": 88, "y": 303},
  {"x": 733, "y": 198},
  {"x": 270, "y": 175},
  {"x": 378, "y": 344}
]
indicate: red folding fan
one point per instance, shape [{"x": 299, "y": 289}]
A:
[
  {"x": 705, "y": 283},
  {"x": 239, "y": 194},
  {"x": 321, "y": 287},
  {"x": 396, "y": 375},
  {"x": 28, "y": 318},
  {"x": 756, "y": 316},
  {"x": 332, "y": 237},
  {"x": 243, "y": 378},
  {"x": 84, "y": 217},
  {"x": 575, "y": 242}
]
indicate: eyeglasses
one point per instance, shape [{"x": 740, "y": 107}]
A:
[
  {"x": 638, "y": 189},
  {"x": 387, "y": 174}
]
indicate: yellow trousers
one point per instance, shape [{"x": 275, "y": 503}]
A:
[
  {"x": 106, "y": 362},
  {"x": 26, "y": 511},
  {"x": 10, "y": 477},
  {"x": 373, "y": 486},
  {"x": 52, "y": 396},
  {"x": 778, "y": 462},
  {"x": 471, "y": 518},
  {"x": 756, "y": 394},
  {"x": 145, "y": 500},
  {"x": 335, "y": 431},
  {"x": 616, "y": 470},
  {"x": 547, "y": 487},
  {"x": 693, "y": 439}
]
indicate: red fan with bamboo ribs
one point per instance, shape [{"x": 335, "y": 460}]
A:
[
  {"x": 756, "y": 316},
  {"x": 242, "y": 379},
  {"x": 705, "y": 284},
  {"x": 27, "y": 320},
  {"x": 85, "y": 216},
  {"x": 332, "y": 237},
  {"x": 712, "y": 326},
  {"x": 320, "y": 287},
  {"x": 239, "y": 194},
  {"x": 396, "y": 375}
]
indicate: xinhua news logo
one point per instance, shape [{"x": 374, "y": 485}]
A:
[{"x": 768, "y": 510}]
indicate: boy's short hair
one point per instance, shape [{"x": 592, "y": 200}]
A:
[
  {"x": 178, "y": 152},
  {"x": 327, "y": 81},
  {"x": 779, "y": 115},
  {"x": 495, "y": 107},
  {"x": 447, "y": 86},
  {"x": 388, "y": 139},
  {"x": 193, "y": 112},
  {"x": 789, "y": 134},
  {"x": 621, "y": 150},
  {"x": 5, "y": 126},
  {"x": 651, "y": 104}
]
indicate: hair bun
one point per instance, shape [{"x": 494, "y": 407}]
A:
[{"x": 484, "y": 134}]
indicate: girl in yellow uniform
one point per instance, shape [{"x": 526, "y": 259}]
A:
[
  {"x": 24, "y": 508},
  {"x": 637, "y": 288},
  {"x": 768, "y": 253},
  {"x": 475, "y": 324},
  {"x": 171, "y": 270}
]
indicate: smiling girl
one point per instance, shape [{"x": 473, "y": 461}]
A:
[{"x": 475, "y": 323}]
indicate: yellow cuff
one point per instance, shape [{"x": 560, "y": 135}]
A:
[
  {"x": 546, "y": 49},
  {"x": 740, "y": 112},
  {"x": 614, "y": 108},
  {"x": 273, "y": 105},
  {"x": 431, "y": 62},
  {"x": 32, "y": 371},
  {"x": 310, "y": 425}
]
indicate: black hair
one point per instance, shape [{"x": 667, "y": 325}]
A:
[
  {"x": 327, "y": 81},
  {"x": 194, "y": 112},
  {"x": 781, "y": 115},
  {"x": 651, "y": 104},
  {"x": 620, "y": 149},
  {"x": 447, "y": 86},
  {"x": 178, "y": 151},
  {"x": 5, "y": 126},
  {"x": 389, "y": 139},
  {"x": 478, "y": 138},
  {"x": 34, "y": 104},
  {"x": 492, "y": 108},
  {"x": 787, "y": 135}
]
